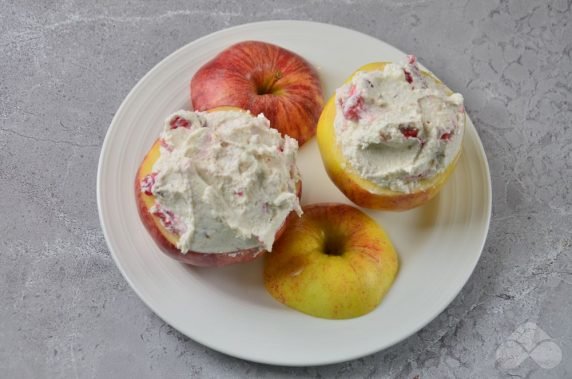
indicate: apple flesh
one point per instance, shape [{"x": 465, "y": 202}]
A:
[
  {"x": 262, "y": 78},
  {"x": 167, "y": 241},
  {"x": 333, "y": 262},
  {"x": 361, "y": 191}
]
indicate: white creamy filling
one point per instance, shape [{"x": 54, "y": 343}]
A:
[
  {"x": 396, "y": 127},
  {"x": 225, "y": 181}
]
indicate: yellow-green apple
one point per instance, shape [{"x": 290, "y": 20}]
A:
[
  {"x": 361, "y": 191},
  {"x": 154, "y": 220},
  {"x": 333, "y": 262},
  {"x": 262, "y": 78}
]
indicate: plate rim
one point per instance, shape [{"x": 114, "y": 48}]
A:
[{"x": 316, "y": 362}]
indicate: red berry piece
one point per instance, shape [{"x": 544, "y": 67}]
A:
[
  {"x": 409, "y": 132},
  {"x": 179, "y": 122},
  {"x": 148, "y": 183},
  {"x": 353, "y": 105},
  {"x": 408, "y": 76},
  {"x": 446, "y": 136},
  {"x": 167, "y": 218}
]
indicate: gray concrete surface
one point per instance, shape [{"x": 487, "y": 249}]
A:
[{"x": 65, "y": 67}]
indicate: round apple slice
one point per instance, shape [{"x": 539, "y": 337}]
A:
[
  {"x": 166, "y": 238},
  {"x": 262, "y": 78},
  {"x": 333, "y": 262}
]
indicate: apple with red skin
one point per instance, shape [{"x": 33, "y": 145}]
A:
[
  {"x": 334, "y": 262},
  {"x": 167, "y": 240},
  {"x": 262, "y": 78}
]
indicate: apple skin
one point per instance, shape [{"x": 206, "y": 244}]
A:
[
  {"x": 167, "y": 241},
  {"x": 362, "y": 191},
  {"x": 334, "y": 262},
  {"x": 262, "y": 78}
]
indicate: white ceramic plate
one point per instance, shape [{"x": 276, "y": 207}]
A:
[{"x": 228, "y": 309}]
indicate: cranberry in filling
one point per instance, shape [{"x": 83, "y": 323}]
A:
[
  {"x": 446, "y": 136},
  {"x": 148, "y": 183},
  {"x": 408, "y": 76},
  {"x": 179, "y": 122},
  {"x": 167, "y": 218},
  {"x": 409, "y": 132},
  {"x": 353, "y": 105}
]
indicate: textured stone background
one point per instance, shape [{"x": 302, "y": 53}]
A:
[{"x": 66, "y": 311}]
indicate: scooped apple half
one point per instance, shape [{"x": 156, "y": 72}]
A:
[
  {"x": 333, "y": 262},
  {"x": 359, "y": 190},
  {"x": 166, "y": 240}
]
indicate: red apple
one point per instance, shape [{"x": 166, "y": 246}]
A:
[
  {"x": 262, "y": 78},
  {"x": 167, "y": 241}
]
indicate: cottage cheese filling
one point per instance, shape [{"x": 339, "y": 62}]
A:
[
  {"x": 396, "y": 127},
  {"x": 225, "y": 181}
]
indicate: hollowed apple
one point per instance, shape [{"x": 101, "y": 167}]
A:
[{"x": 333, "y": 262}]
